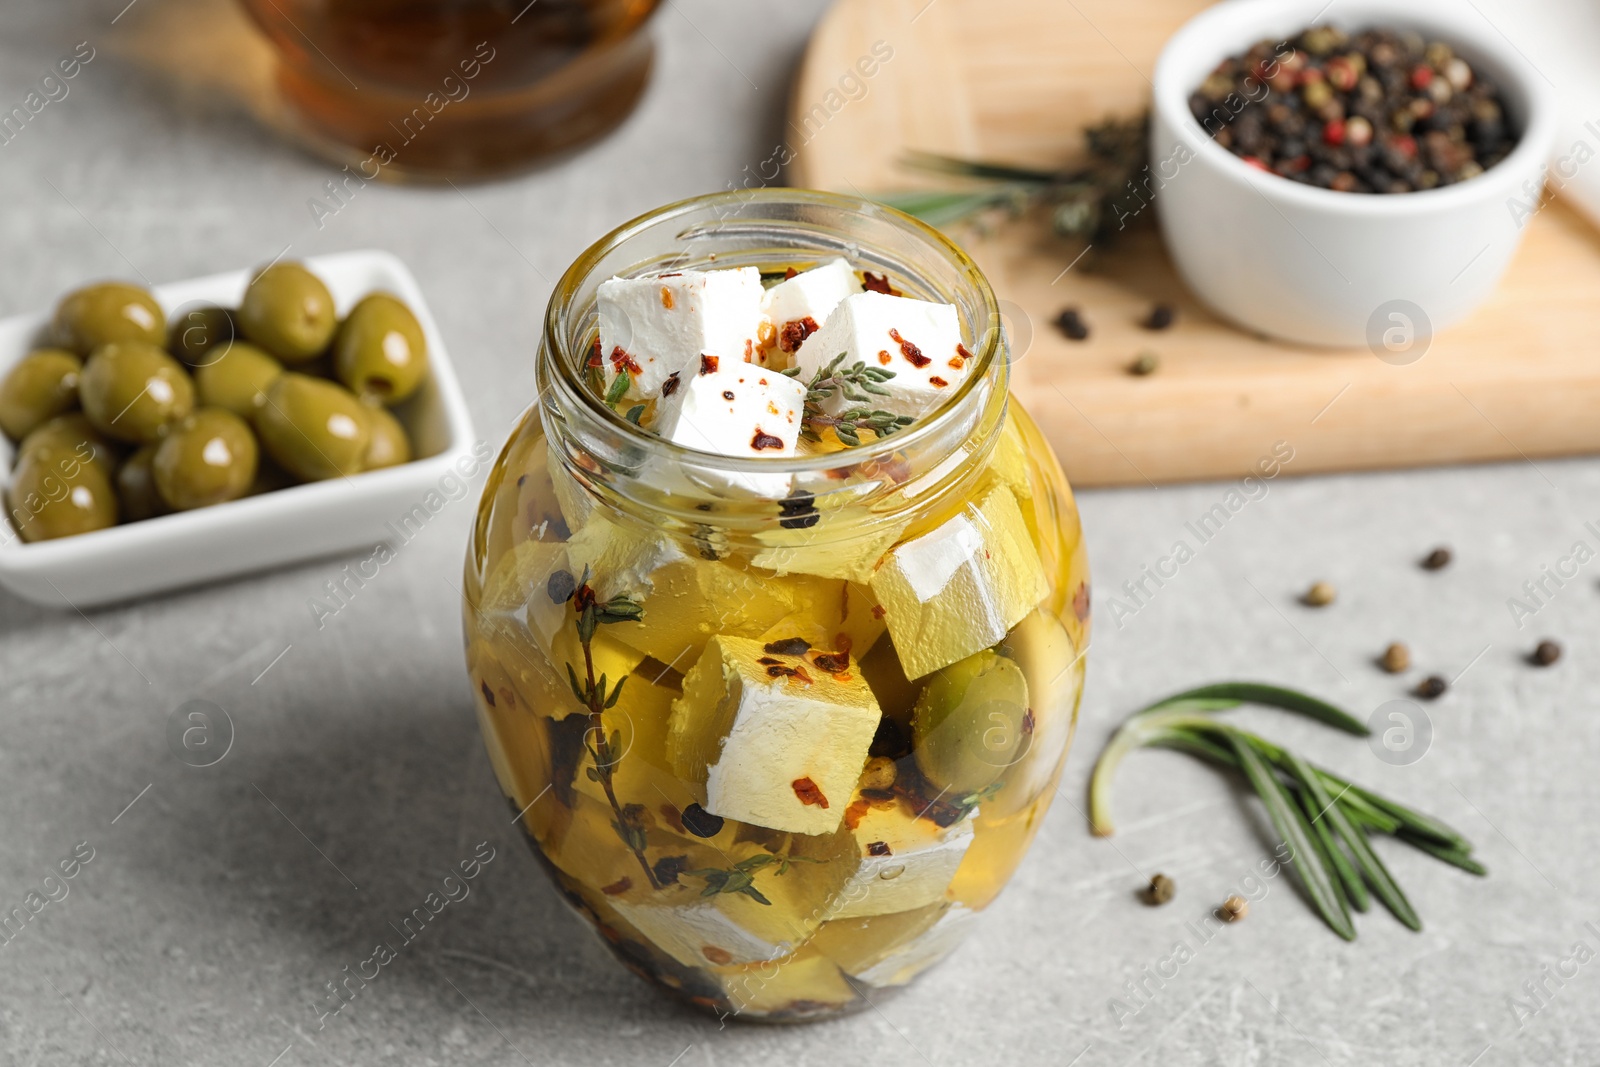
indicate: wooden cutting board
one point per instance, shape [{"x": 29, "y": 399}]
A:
[{"x": 1016, "y": 80}]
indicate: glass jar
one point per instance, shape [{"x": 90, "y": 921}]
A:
[
  {"x": 432, "y": 90},
  {"x": 779, "y": 728}
]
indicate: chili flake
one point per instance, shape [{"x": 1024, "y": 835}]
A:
[
  {"x": 912, "y": 353},
  {"x": 708, "y": 364},
  {"x": 795, "y": 332},
  {"x": 617, "y": 888},
  {"x": 809, "y": 794},
  {"x": 879, "y": 848},
  {"x": 666, "y": 298},
  {"x": 765, "y": 440},
  {"x": 789, "y": 646},
  {"x": 836, "y": 663},
  {"x": 488, "y": 694},
  {"x": 878, "y": 283}
]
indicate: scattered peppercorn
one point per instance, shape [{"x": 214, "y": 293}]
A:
[
  {"x": 1160, "y": 891},
  {"x": 1396, "y": 658},
  {"x": 1320, "y": 595},
  {"x": 1432, "y": 687},
  {"x": 1160, "y": 317},
  {"x": 561, "y": 586},
  {"x": 1437, "y": 560},
  {"x": 1071, "y": 323},
  {"x": 1233, "y": 909},
  {"x": 1547, "y": 653},
  {"x": 1146, "y": 364},
  {"x": 1377, "y": 111},
  {"x": 879, "y": 773}
]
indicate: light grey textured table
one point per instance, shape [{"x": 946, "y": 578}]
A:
[{"x": 217, "y": 906}]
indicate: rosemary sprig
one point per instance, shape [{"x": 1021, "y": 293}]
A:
[
  {"x": 858, "y": 383},
  {"x": 1326, "y": 821},
  {"x": 604, "y": 749},
  {"x": 1092, "y": 201}
]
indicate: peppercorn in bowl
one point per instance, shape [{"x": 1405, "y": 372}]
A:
[
  {"x": 1345, "y": 177},
  {"x": 157, "y": 438}
]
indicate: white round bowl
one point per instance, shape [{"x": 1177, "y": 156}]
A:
[{"x": 1319, "y": 267}]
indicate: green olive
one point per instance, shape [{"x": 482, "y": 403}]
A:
[
  {"x": 380, "y": 351},
  {"x": 73, "y": 433},
  {"x": 969, "y": 721},
  {"x": 112, "y": 311},
  {"x": 238, "y": 379},
  {"x": 289, "y": 312},
  {"x": 200, "y": 335},
  {"x": 42, "y": 385},
  {"x": 209, "y": 459},
  {"x": 55, "y": 493},
  {"x": 314, "y": 429},
  {"x": 135, "y": 392},
  {"x": 389, "y": 446},
  {"x": 136, "y": 487}
]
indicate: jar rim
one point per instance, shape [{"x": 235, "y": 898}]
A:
[{"x": 567, "y": 375}]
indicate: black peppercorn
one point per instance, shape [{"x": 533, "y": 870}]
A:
[
  {"x": 1547, "y": 653},
  {"x": 1071, "y": 323},
  {"x": 1160, "y": 317},
  {"x": 700, "y": 822},
  {"x": 1432, "y": 687},
  {"x": 1438, "y": 559}
]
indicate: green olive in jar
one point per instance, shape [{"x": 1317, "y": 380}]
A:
[
  {"x": 209, "y": 459},
  {"x": 73, "y": 433},
  {"x": 136, "y": 487},
  {"x": 388, "y": 445},
  {"x": 134, "y": 392},
  {"x": 111, "y": 311},
  {"x": 969, "y": 722},
  {"x": 55, "y": 493},
  {"x": 380, "y": 351},
  {"x": 289, "y": 312},
  {"x": 314, "y": 429},
  {"x": 199, "y": 336},
  {"x": 238, "y": 379},
  {"x": 42, "y": 385}
]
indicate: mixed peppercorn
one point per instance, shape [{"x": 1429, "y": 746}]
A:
[{"x": 1378, "y": 111}]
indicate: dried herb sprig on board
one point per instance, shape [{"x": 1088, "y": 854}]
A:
[
  {"x": 1326, "y": 821},
  {"x": 858, "y": 383},
  {"x": 1092, "y": 201}
]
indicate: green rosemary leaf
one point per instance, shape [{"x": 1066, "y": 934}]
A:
[
  {"x": 1453, "y": 856},
  {"x": 755, "y": 894},
  {"x": 577, "y": 689},
  {"x": 600, "y": 695},
  {"x": 1363, "y": 814},
  {"x": 618, "y": 389},
  {"x": 1324, "y": 816},
  {"x": 791, "y": 372},
  {"x": 635, "y": 413},
  {"x": 587, "y": 621},
  {"x": 1346, "y": 881},
  {"x": 1297, "y": 834},
  {"x": 942, "y": 164},
  {"x": 1372, "y": 868},
  {"x": 1424, "y": 825},
  {"x": 1273, "y": 696}
]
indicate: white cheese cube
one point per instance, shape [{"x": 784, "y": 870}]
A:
[
  {"x": 735, "y": 409},
  {"x": 806, "y": 984},
  {"x": 957, "y": 589},
  {"x": 730, "y": 929},
  {"x": 918, "y": 340},
  {"x": 933, "y": 945},
  {"x": 774, "y": 740},
  {"x": 896, "y": 860},
  {"x": 797, "y": 307},
  {"x": 652, "y": 328}
]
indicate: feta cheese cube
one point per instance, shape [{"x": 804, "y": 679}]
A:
[
  {"x": 957, "y": 589},
  {"x": 732, "y": 929},
  {"x": 842, "y": 547},
  {"x": 890, "y": 950},
  {"x": 797, "y": 307},
  {"x": 735, "y": 409},
  {"x": 896, "y": 861},
  {"x": 918, "y": 340},
  {"x": 652, "y": 328},
  {"x": 806, "y": 984},
  {"x": 775, "y": 741}
]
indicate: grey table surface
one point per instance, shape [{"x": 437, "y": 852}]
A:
[{"x": 220, "y": 901}]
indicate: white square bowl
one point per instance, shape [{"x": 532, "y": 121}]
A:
[{"x": 271, "y": 529}]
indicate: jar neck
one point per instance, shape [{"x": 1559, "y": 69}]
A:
[{"x": 624, "y": 469}]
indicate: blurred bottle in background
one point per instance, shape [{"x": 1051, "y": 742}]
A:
[{"x": 437, "y": 89}]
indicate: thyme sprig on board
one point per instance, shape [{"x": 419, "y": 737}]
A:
[{"x": 1326, "y": 820}]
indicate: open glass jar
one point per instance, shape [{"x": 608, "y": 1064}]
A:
[{"x": 779, "y": 728}]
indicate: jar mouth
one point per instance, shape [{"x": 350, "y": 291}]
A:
[{"x": 987, "y": 339}]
